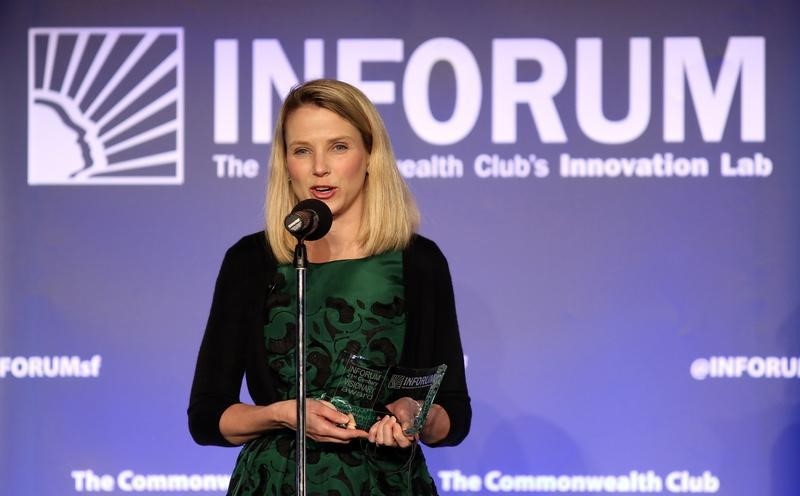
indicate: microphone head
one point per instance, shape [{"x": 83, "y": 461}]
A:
[{"x": 309, "y": 220}]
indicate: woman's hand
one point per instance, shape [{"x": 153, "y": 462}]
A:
[
  {"x": 240, "y": 423},
  {"x": 323, "y": 422},
  {"x": 389, "y": 431},
  {"x": 437, "y": 425}
]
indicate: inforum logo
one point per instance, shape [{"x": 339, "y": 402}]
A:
[{"x": 105, "y": 106}]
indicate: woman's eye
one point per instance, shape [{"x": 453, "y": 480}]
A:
[
  {"x": 340, "y": 147},
  {"x": 300, "y": 151}
]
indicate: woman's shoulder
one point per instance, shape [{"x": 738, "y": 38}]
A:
[
  {"x": 252, "y": 248},
  {"x": 424, "y": 251},
  {"x": 250, "y": 242}
]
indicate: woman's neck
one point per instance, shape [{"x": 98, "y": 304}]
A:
[{"x": 341, "y": 243}]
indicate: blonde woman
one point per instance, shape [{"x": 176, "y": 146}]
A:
[{"x": 376, "y": 288}]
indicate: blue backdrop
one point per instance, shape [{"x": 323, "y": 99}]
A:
[{"x": 615, "y": 185}]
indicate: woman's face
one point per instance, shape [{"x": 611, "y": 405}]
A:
[{"x": 327, "y": 160}]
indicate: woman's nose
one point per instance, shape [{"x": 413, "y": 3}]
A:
[{"x": 320, "y": 166}]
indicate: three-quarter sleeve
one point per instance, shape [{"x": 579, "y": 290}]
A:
[
  {"x": 433, "y": 336},
  {"x": 453, "y": 395},
  {"x": 221, "y": 360}
]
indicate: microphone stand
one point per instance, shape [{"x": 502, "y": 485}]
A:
[
  {"x": 310, "y": 219},
  {"x": 301, "y": 265}
]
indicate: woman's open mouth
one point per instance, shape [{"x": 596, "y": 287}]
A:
[{"x": 322, "y": 192}]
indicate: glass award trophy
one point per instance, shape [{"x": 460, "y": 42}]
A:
[{"x": 365, "y": 389}]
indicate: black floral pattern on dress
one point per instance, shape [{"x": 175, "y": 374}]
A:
[{"x": 339, "y": 326}]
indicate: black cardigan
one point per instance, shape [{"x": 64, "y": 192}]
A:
[{"x": 233, "y": 345}]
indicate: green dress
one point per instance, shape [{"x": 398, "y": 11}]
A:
[{"x": 352, "y": 307}]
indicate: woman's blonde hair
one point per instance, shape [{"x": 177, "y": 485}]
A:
[{"x": 390, "y": 214}]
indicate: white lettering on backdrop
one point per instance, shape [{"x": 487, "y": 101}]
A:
[{"x": 685, "y": 66}]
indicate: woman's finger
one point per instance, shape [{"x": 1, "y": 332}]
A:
[
  {"x": 399, "y": 437},
  {"x": 385, "y": 437},
  {"x": 327, "y": 411},
  {"x": 379, "y": 435}
]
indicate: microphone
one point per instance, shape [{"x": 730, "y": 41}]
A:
[{"x": 309, "y": 220}]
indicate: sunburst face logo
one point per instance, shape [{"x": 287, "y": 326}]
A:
[{"x": 105, "y": 106}]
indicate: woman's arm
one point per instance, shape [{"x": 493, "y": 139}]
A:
[
  {"x": 216, "y": 415},
  {"x": 221, "y": 359},
  {"x": 241, "y": 423},
  {"x": 449, "y": 420}
]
